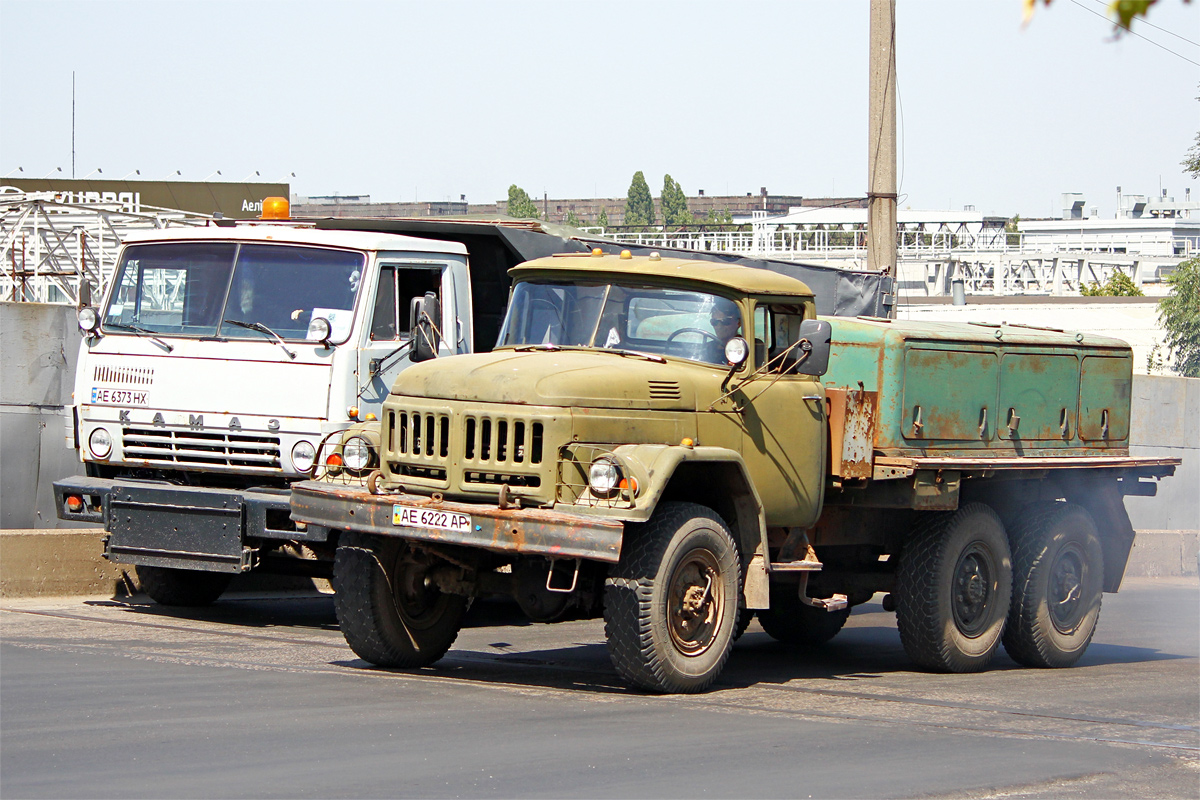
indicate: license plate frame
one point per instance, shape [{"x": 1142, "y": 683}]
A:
[{"x": 429, "y": 519}]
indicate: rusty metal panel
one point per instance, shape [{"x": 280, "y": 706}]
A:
[
  {"x": 852, "y": 424},
  {"x": 531, "y": 531},
  {"x": 949, "y": 394},
  {"x": 1038, "y": 395},
  {"x": 1104, "y": 398}
]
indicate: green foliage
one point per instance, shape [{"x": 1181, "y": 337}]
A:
[
  {"x": 1191, "y": 160},
  {"x": 1179, "y": 315},
  {"x": 1012, "y": 231},
  {"x": 520, "y": 205},
  {"x": 602, "y": 217},
  {"x": 1122, "y": 12},
  {"x": 1118, "y": 285},
  {"x": 639, "y": 205},
  {"x": 722, "y": 217},
  {"x": 674, "y": 203},
  {"x": 572, "y": 219}
]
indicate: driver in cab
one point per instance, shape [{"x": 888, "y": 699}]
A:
[{"x": 726, "y": 323}]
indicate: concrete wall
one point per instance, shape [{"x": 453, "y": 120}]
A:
[
  {"x": 39, "y": 347},
  {"x": 1165, "y": 424}
]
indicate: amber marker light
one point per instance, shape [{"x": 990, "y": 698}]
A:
[
  {"x": 688, "y": 442},
  {"x": 75, "y": 504},
  {"x": 333, "y": 460},
  {"x": 629, "y": 484},
  {"x": 597, "y": 252},
  {"x": 275, "y": 208},
  {"x": 626, "y": 254}
]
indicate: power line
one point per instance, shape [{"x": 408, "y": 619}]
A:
[
  {"x": 1145, "y": 21},
  {"x": 1135, "y": 33}
]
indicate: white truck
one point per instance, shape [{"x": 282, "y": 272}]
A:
[
  {"x": 221, "y": 357},
  {"x": 218, "y": 361}
]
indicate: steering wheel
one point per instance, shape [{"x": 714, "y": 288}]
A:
[{"x": 682, "y": 331}]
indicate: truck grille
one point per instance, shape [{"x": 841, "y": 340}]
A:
[{"x": 201, "y": 449}]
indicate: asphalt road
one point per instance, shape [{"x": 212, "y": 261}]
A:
[{"x": 260, "y": 697}]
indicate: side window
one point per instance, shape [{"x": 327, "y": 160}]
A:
[
  {"x": 384, "y": 319},
  {"x": 780, "y": 333}
]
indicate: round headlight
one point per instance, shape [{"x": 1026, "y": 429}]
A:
[
  {"x": 320, "y": 329},
  {"x": 356, "y": 453},
  {"x": 88, "y": 321},
  {"x": 303, "y": 455},
  {"x": 100, "y": 443},
  {"x": 604, "y": 476},
  {"x": 736, "y": 350}
]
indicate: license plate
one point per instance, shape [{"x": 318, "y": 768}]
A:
[{"x": 430, "y": 518}]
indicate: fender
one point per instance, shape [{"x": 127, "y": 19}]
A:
[{"x": 705, "y": 475}]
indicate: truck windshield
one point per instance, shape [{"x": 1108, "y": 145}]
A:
[
  {"x": 626, "y": 316},
  {"x": 203, "y": 288}
]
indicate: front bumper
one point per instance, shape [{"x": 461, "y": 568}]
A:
[
  {"x": 532, "y": 531},
  {"x": 186, "y": 527}
]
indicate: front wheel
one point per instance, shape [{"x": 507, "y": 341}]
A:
[
  {"x": 390, "y": 614},
  {"x": 189, "y": 588},
  {"x": 953, "y": 586},
  {"x": 1059, "y": 569},
  {"x": 671, "y": 602}
]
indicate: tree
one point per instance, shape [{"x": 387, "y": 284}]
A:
[
  {"x": 1122, "y": 11},
  {"x": 1118, "y": 285},
  {"x": 1179, "y": 315},
  {"x": 520, "y": 205},
  {"x": 602, "y": 217},
  {"x": 674, "y": 203},
  {"x": 722, "y": 217},
  {"x": 572, "y": 219},
  {"x": 639, "y": 205}
]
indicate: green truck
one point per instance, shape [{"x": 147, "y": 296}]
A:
[{"x": 684, "y": 444}]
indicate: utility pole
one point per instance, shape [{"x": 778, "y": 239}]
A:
[{"x": 881, "y": 141}]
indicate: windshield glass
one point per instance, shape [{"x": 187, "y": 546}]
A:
[
  {"x": 642, "y": 319},
  {"x": 198, "y": 288}
]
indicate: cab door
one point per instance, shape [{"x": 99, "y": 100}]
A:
[
  {"x": 783, "y": 420},
  {"x": 385, "y": 351}
]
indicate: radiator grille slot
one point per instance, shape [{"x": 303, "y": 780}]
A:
[
  {"x": 131, "y": 376},
  {"x": 502, "y": 441},
  {"x": 201, "y": 448},
  {"x": 417, "y": 434}
]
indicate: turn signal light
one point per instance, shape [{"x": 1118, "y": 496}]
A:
[
  {"x": 333, "y": 460},
  {"x": 628, "y": 483},
  {"x": 75, "y": 504}
]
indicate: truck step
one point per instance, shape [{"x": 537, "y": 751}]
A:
[{"x": 795, "y": 566}]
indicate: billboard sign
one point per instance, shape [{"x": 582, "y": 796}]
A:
[{"x": 231, "y": 200}]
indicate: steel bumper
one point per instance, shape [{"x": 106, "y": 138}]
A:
[{"x": 533, "y": 531}]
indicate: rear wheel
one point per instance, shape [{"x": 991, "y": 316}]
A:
[
  {"x": 792, "y": 622},
  {"x": 182, "y": 587},
  {"x": 390, "y": 614},
  {"x": 671, "y": 602},
  {"x": 953, "y": 586},
  {"x": 1059, "y": 573}
]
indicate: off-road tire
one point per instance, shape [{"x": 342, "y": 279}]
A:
[
  {"x": 189, "y": 588},
  {"x": 644, "y": 619},
  {"x": 745, "y": 617},
  {"x": 1058, "y": 569},
  {"x": 792, "y": 622},
  {"x": 953, "y": 589},
  {"x": 387, "y": 619}
]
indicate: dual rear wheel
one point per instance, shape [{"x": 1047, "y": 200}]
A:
[{"x": 957, "y": 599}]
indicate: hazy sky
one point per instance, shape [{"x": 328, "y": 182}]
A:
[{"x": 432, "y": 100}]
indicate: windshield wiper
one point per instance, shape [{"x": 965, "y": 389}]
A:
[
  {"x": 258, "y": 326},
  {"x": 140, "y": 331},
  {"x": 634, "y": 354}
]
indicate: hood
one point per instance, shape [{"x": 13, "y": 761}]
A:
[{"x": 568, "y": 378}]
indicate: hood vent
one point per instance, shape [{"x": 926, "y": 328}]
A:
[
  {"x": 664, "y": 390},
  {"x": 134, "y": 376}
]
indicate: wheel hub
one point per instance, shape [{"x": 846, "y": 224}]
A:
[
  {"x": 1065, "y": 591},
  {"x": 694, "y": 603},
  {"x": 972, "y": 594}
]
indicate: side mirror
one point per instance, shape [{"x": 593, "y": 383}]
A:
[
  {"x": 818, "y": 332},
  {"x": 425, "y": 313}
]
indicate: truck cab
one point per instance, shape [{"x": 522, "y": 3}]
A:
[{"x": 218, "y": 361}]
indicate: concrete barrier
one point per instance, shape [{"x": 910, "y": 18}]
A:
[{"x": 46, "y": 562}]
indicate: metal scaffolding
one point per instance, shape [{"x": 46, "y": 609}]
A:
[{"x": 52, "y": 251}]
